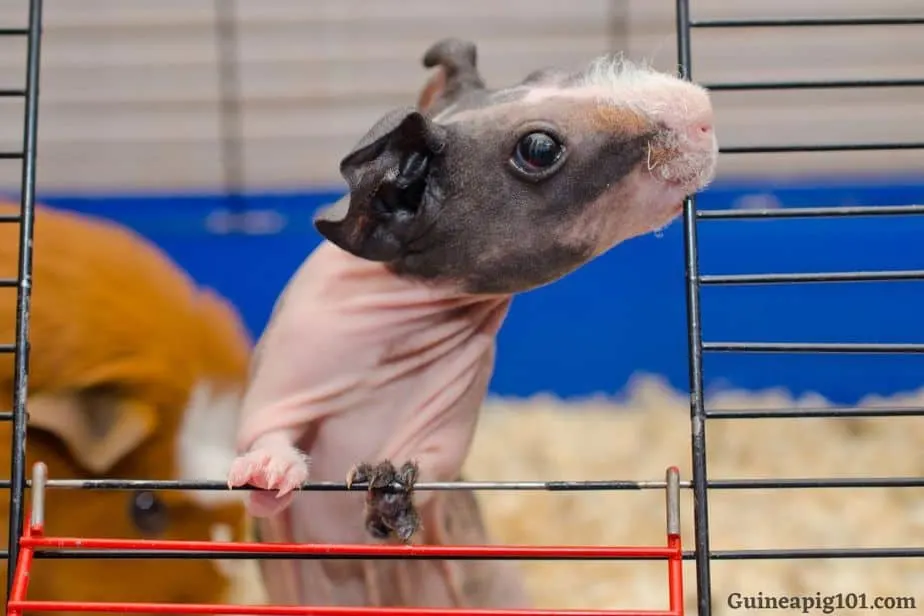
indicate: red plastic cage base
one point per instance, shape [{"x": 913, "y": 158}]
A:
[{"x": 33, "y": 539}]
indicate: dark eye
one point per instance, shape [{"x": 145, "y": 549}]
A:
[
  {"x": 148, "y": 513},
  {"x": 536, "y": 152}
]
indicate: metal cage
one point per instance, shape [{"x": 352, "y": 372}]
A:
[{"x": 28, "y": 541}]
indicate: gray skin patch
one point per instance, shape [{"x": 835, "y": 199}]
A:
[
  {"x": 433, "y": 193},
  {"x": 504, "y": 234}
]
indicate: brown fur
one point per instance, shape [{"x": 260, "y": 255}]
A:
[
  {"x": 616, "y": 119},
  {"x": 119, "y": 336}
]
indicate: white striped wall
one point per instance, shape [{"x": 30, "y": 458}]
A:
[{"x": 130, "y": 94}]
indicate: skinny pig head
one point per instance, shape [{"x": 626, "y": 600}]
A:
[{"x": 504, "y": 190}]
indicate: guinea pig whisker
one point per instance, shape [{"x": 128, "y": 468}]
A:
[{"x": 651, "y": 166}]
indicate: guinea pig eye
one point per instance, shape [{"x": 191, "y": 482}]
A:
[
  {"x": 536, "y": 153},
  {"x": 148, "y": 513}
]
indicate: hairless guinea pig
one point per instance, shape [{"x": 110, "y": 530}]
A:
[{"x": 379, "y": 352}]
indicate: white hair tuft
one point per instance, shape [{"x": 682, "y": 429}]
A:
[{"x": 613, "y": 69}]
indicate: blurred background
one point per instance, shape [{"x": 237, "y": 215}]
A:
[{"x": 215, "y": 128}]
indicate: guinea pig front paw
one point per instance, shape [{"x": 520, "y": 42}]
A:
[
  {"x": 389, "y": 507},
  {"x": 277, "y": 471}
]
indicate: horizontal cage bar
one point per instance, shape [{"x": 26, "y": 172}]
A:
[
  {"x": 8, "y": 283},
  {"x": 812, "y": 347},
  {"x": 5, "y": 218},
  {"x": 817, "y": 553},
  {"x": 11, "y": 155},
  {"x": 11, "y": 92},
  {"x": 829, "y": 147},
  {"x": 811, "y": 483},
  {"x": 7, "y": 348},
  {"x": 813, "y": 212},
  {"x": 813, "y": 85},
  {"x": 14, "y": 31},
  {"x": 806, "y": 22},
  {"x": 882, "y": 276},
  {"x": 334, "y": 486},
  {"x": 787, "y": 413}
]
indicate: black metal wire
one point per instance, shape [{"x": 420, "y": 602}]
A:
[
  {"x": 841, "y": 211},
  {"x": 478, "y": 486},
  {"x": 340, "y": 486},
  {"x": 816, "y": 483},
  {"x": 24, "y": 290},
  {"x": 813, "y": 85},
  {"x": 739, "y": 279},
  {"x": 797, "y": 413},
  {"x": 230, "y": 118},
  {"x": 846, "y": 147},
  {"x": 7, "y": 348},
  {"x": 818, "y": 553},
  {"x": 695, "y": 355},
  {"x": 807, "y": 23},
  {"x": 812, "y": 347}
]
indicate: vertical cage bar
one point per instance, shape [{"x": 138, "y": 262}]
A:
[
  {"x": 617, "y": 24},
  {"x": 695, "y": 344},
  {"x": 675, "y": 563},
  {"x": 24, "y": 292},
  {"x": 39, "y": 480},
  {"x": 229, "y": 104}
]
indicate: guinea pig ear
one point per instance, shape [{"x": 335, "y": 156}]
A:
[
  {"x": 387, "y": 174},
  {"x": 98, "y": 430},
  {"x": 457, "y": 71}
]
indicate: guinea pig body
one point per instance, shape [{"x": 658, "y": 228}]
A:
[
  {"x": 359, "y": 365},
  {"x": 134, "y": 373},
  {"x": 379, "y": 353}
]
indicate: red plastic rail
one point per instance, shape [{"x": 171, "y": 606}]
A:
[{"x": 33, "y": 538}]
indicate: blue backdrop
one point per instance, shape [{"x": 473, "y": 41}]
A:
[{"x": 625, "y": 313}]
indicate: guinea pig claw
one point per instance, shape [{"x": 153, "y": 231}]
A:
[
  {"x": 351, "y": 477},
  {"x": 240, "y": 473},
  {"x": 291, "y": 480},
  {"x": 361, "y": 473},
  {"x": 389, "y": 510}
]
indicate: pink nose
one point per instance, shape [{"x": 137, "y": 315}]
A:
[{"x": 702, "y": 126}]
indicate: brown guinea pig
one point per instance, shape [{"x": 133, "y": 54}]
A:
[{"x": 134, "y": 373}]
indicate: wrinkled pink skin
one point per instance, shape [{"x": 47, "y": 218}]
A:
[{"x": 361, "y": 365}]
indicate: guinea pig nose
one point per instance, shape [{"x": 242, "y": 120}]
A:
[{"x": 703, "y": 125}]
